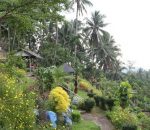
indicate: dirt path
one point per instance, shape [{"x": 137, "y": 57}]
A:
[{"x": 99, "y": 119}]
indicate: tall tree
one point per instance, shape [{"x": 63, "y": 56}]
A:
[
  {"x": 22, "y": 16},
  {"x": 80, "y": 8},
  {"x": 108, "y": 53},
  {"x": 94, "y": 31}
]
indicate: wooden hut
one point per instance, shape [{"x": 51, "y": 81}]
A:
[{"x": 30, "y": 57}]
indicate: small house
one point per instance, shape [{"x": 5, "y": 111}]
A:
[{"x": 30, "y": 57}]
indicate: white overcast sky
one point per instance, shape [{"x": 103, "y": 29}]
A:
[{"x": 130, "y": 25}]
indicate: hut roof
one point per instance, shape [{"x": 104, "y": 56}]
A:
[
  {"x": 28, "y": 53},
  {"x": 67, "y": 68}
]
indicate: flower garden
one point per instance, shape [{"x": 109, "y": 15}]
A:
[{"x": 47, "y": 101}]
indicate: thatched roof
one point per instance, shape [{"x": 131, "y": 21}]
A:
[{"x": 28, "y": 54}]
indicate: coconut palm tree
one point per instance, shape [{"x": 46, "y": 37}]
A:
[
  {"x": 80, "y": 8},
  {"x": 69, "y": 40},
  {"x": 107, "y": 54},
  {"x": 94, "y": 32}
]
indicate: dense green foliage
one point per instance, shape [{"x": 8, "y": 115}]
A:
[
  {"x": 45, "y": 78},
  {"x": 22, "y": 20},
  {"x": 140, "y": 81},
  {"x": 39, "y": 23},
  {"x": 122, "y": 117}
]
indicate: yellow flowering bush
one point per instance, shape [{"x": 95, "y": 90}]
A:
[
  {"x": 83, "y": 84},
  {"x": 86, "y": 85},
  {"x": 20, "y": 72},
  {"x": 16, "y": 106},
  {"x": 60, "y": 99}
]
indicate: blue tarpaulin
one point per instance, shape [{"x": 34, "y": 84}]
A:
[{"x": 52, "y": 117}]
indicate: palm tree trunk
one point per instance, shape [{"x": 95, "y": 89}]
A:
[
  {"x": 75, "y": 48},
  {"x": 56, "y": 41},
  {"x": 56, "y": 32},
  {"x": 14, "y": 38},
  {"x": 76, "y": 26},
  {"x": 76, "y": 22},
  {"x": 75, "y": 51},
  {"x": 9, "y": 40},
  {"x": 0, "y": 30}
]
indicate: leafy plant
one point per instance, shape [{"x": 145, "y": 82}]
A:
[
  {"x": 109, "y": 88},
  {"x": 81, "y": 105},
  {"x": 89, "y": 104},
  {"x": 15, "y": 61},
  {"x": 125, "y": 93},
  {"x": 110, "y": 103},
  {"x": 122, "y": 117},
  {"x": 102, "y": 103},
  {"x": 97, "y": 100},
  {"x": 144, "y": 121},
  {"x": 59, "y": 75},
  {"x": 76, "y": 116},
  {"x": 45, "y": 78},
  {"x": 91, "y": 93}
]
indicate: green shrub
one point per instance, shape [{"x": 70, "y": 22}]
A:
[
  {"x": 102, "y": 103},
  {"x": 125, "y": 93},
  {"x": 144, "y": 121},
  {"x": 81, "y": 105},
  {"x": 129, "y": 127},
  {"x": 122, "y": 117},
  {"x": 15, "y": 61},
  {"x": 45, "y": 78},
  {"x": 73, "y": 107},
  {"x": 110, "y": 103},
  {"x": 89, "y": 104},
  {"x": 76, "y": 116},
  {"x": 97, "y": 99},
  {"x": 91, "y": 94}
]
